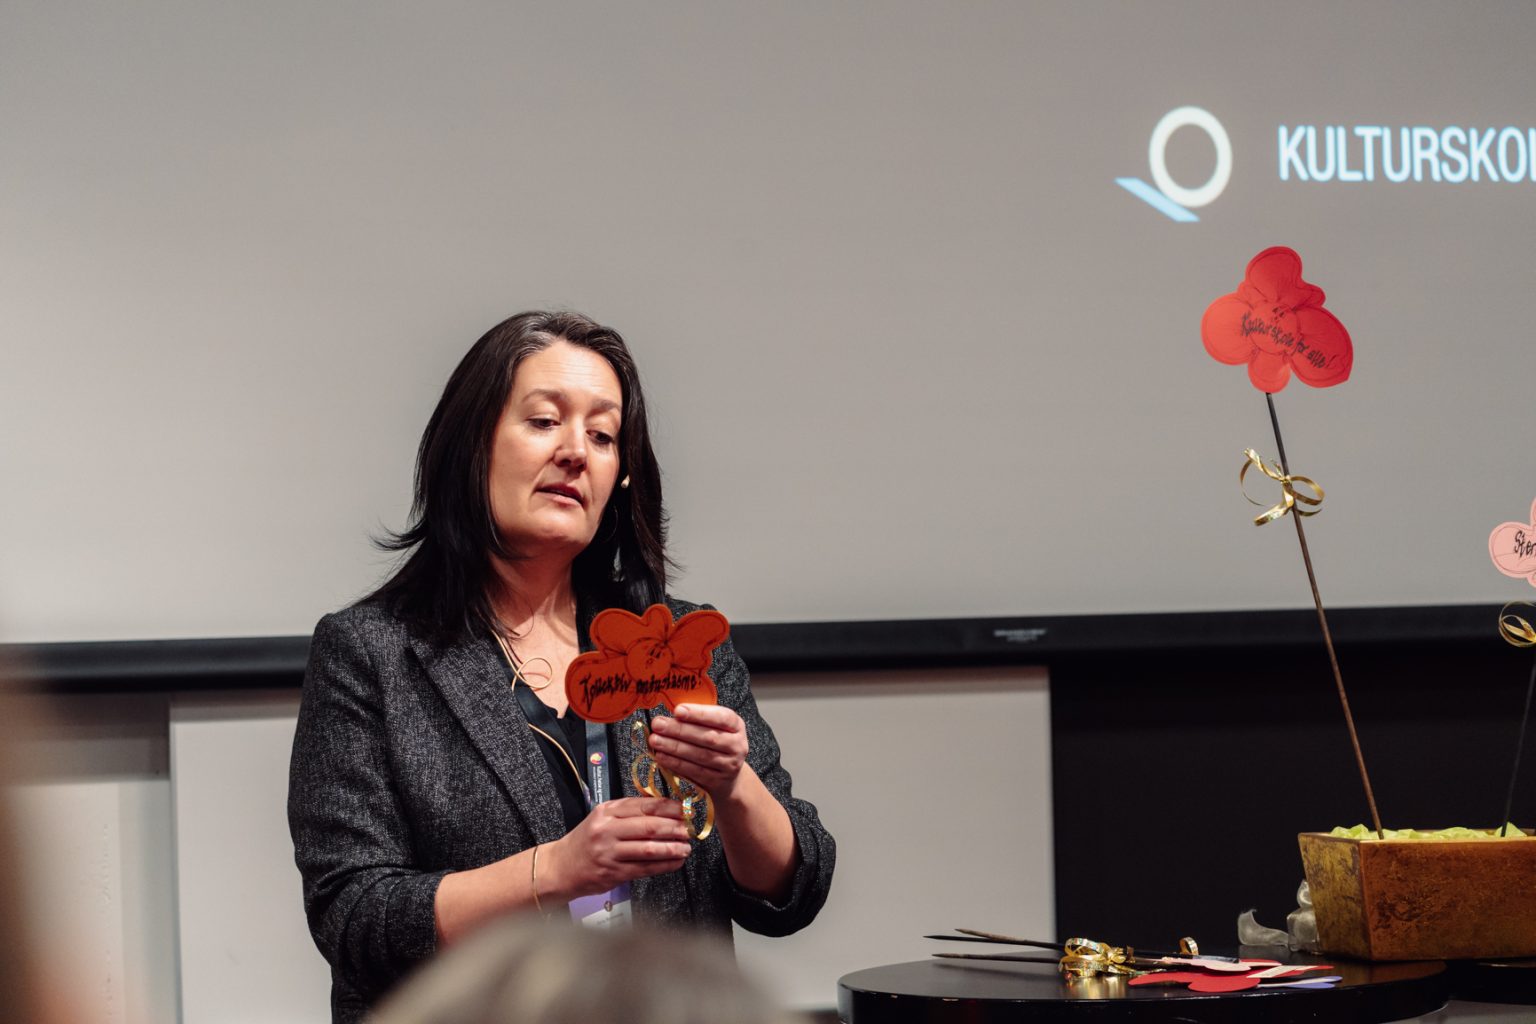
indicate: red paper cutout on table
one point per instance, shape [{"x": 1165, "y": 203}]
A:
[
  {"x": 1275, "y": 322},
  {"x": 1512, "y": 546},
  {"x": 644, "y": 661},
  {"x": 1262, "y": 971}
]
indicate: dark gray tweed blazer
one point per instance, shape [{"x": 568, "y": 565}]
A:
[{"x": 413, "y": 760}]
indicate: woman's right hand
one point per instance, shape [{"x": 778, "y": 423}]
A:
[{"x": 619, "y": 840}]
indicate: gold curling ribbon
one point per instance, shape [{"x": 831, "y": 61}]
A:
[
  {"x": 1086, "y": 958},
  {"x": 1513, "y": 628},
  {"x": 1287, "y": 482},
  {"x": 684, "y": 791}
]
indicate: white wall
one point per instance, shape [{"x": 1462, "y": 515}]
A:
[
  {"x": 246, "y": 954},
  {"x": 937, "y": 786}
]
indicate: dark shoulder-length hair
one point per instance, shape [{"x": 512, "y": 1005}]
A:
[{"x": 442, "y": 589}]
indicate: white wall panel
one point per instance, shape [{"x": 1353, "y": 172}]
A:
[
  {"x": 246, "y": 954},
  {"x": 937, "y": 787}
]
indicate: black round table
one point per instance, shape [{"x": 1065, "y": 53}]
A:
[
  {"x": 1494, "y": 981},
  {"x": 984, "y": 992}
]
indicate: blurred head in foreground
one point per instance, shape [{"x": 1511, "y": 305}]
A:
[
  {"x": 30, "y": 989},
  {"x": 525, "y": 971}
]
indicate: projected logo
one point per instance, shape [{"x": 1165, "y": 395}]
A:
[{"x": 1168, "y": 196}]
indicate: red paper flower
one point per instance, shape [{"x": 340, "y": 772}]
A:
[
  {"x": 1275, "y": 322},
  {"x": 641, "y": 662}
]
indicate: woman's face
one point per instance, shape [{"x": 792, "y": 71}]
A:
[{"x": 555, "y": 456}]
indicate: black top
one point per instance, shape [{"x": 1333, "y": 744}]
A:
[{"x": 563, "y": 742}]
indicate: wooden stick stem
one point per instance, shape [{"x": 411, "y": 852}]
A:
[
  {"x": 1322, "y": 618},
  {"x": 1509, "y": 800}
]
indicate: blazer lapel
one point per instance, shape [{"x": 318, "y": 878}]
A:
[{"x": 473, "y": 684}]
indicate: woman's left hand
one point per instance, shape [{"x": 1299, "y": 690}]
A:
[{"x": 704, "y": 743}]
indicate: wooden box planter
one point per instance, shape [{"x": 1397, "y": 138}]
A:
[{"x": 1418, "y": 899}]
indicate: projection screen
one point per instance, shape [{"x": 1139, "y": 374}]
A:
[{"x": 915, "y": 289}]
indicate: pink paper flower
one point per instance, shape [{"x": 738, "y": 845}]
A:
[
  {"x": 1513, "y": 548},
  {"x": 1275, "y": 322}
]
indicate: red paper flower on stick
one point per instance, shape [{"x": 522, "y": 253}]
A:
[
  {"x": 1275, "y": 322},
  {"x": 644, "y": 661}
]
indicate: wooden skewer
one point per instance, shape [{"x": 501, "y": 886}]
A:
[
  {"x": 972, "y": 935},
  {"x": 1011, "y": 957},
  {"x": 994, "y": 937},
  {"x": 1514, "y": 773},
  {"x": 1322, "y": 618}
]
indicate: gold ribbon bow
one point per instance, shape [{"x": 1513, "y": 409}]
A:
[
  {"x": 695, "y": 801},
  {"x": 1086, "y": 958},
  {"x": 1287, "y": 482},
  {"x": 1513, "y": 628}
]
